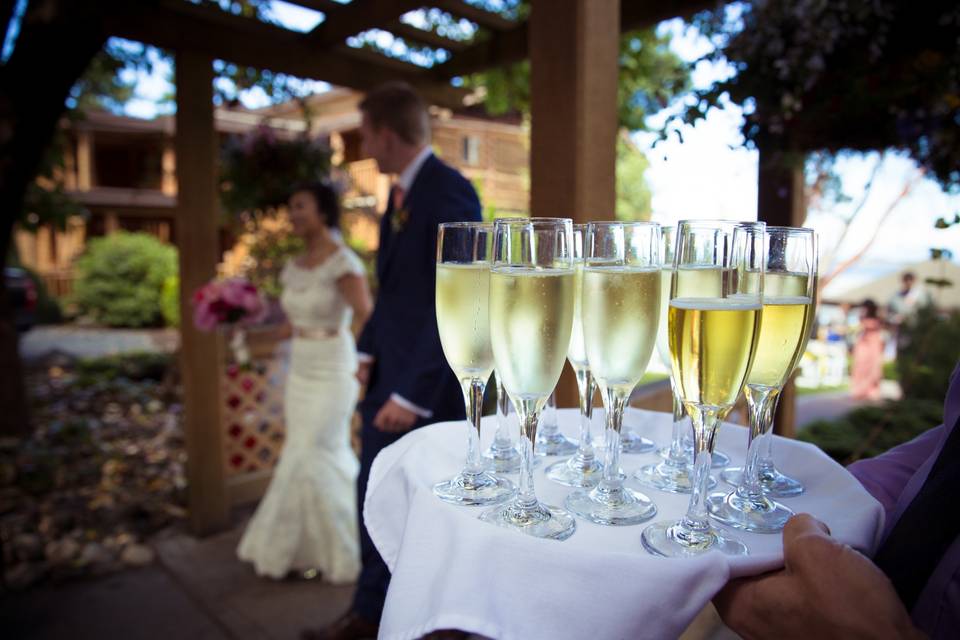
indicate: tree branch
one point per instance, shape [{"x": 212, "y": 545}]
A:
[{"x": 849, "y": 262}]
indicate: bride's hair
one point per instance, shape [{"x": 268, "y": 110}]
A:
[{"x": 328, "y": 202}]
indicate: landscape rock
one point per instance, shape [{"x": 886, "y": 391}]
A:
[{"x": 137, "y": 555}]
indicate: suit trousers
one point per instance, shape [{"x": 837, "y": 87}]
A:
[{"x": 374, "y": 576}]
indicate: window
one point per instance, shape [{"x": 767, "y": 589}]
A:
[{"x": 470, "y": 153}]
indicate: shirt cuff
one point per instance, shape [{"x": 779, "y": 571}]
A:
[
  {"x": 409, "y": 406},
  {"x": 364, "y": 357}
]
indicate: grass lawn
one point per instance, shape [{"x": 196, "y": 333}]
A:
[{"x": 809, "y": 391}]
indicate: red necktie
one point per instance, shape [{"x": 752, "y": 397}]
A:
[{"x": 397, "y": 194}]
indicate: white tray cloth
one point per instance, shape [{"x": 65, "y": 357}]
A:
[{"x": 449, "y": 570}]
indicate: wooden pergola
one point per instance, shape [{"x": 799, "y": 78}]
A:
[{"x": 573, "y": 47}]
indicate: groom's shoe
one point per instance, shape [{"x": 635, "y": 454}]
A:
[{"x": 349, "y": 626}]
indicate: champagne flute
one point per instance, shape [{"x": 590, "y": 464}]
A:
[
  {"x": 531, "y": 317},
  {"x": 788, "y": 295},
  {"x": 502, "y": 455},
  {"x": 772, "y": 481},
  {"x": 712, "y": 344},
  {"x": 463, "y": 293},
  {"x": 675, "y": 472},
  {"x": 550, "y": 442},
  {"x": 621, "y": 307},
  {"x": 583, "y": 469}
]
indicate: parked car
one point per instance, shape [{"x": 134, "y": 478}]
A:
[{"x": 23, "y": 297}]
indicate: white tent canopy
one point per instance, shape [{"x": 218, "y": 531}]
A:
[{"x": 883, "y": 289}]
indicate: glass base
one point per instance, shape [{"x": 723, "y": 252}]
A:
[
  {"x": 505, "y": 460},
  {"x": 761, "y": 515},
  {"x": 555, "y": 444},
  {"x": 669, "y": 540},
  {"x": 539, "y": 521},
  {"x": 632, "y": 442},
  {"x": 475, "y": 490},
  {"x": 617, "y": 508},
  {"x": 575, "y": 472},
  {"x": 773, "y": 483},
  {"x": 718, "y": 460},
  {"x": 669, "y": 477}
]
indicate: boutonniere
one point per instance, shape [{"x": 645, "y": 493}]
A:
[{"x": 399, "y": 219}]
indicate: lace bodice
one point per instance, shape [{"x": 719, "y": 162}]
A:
[{"x": 311, "y": 298}]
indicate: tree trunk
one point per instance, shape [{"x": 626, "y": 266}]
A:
[{"x": 57, "y": 40}]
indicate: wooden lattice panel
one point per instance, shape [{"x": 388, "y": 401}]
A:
[{"x": 253, "y": 426}]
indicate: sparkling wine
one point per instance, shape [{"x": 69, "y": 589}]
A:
[
  {"x": 712, "y": 342},
  {"x": 463, "y": 318},
  {"x": 577, "y": 353},
  {"x": 621, "y": 308},
  {"x": 531, "y": 318},
  {"x": 784, "y": 328}
]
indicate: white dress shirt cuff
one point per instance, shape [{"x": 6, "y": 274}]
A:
[
  {"x": 409, "y": 406},
  {"x": 364, "y": 357}
]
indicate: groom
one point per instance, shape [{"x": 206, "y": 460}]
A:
[{"x": 409, "y": 383}]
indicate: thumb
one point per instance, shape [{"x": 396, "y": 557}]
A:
[{"x": 805, "y": 541}]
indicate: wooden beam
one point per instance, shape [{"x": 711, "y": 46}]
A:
[
  {"x": 359, "y": 15},
  {"x": 511, "y": 45},
  {"x": 370, "y": 56},
  {"x": 201, "y": 354},
  {"x": 179, "y": 26},
  {"x": 639, "y": 14},
  {"x": 573, "y": 82},
  {"x": 422, "y": 36},
  {"x": 500, "y": 48},
  {"x": 323, "y": 6},
  {"x": 484, "y": 18}
]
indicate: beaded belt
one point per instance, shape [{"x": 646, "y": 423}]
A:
[{"x": 315, "y": 333}]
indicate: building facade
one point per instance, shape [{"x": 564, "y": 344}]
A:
[{"x": 123, "y": 171}]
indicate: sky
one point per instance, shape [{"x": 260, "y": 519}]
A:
[{"x": 711, "y": 175}]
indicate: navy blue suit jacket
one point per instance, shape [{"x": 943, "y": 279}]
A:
[{"x": 402, "y": 334}]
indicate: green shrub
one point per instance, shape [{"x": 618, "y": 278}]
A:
[
  {"x": 120, "y": 279},
  {"x": 170, "y": 301},
  {"x": 137, "y": 366},
  {"x": 869, "y": 431},
  {"x": 890, "y": 371},
  {"x": 928, "y": 350}
]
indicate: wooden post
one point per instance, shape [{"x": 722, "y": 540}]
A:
[
  {"x": 111, "y": 223},
  {"x": 574, "y": 49},
  {"x": 84, "y": 161},
  {"x": 201, "y": 354},
  {"x": 168, "y": 164},
  {"x": 780, "y": 202}
]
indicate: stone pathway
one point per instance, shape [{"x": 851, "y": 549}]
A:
[
  {"x": 198, "y": 590},
  {"x": 90, "y": 342}
]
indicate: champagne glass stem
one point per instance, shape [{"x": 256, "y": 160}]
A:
[
  {"x": 529, "y": 415},
  {"x": 501, "y": 440},
  {"x": 761, "y": 400},
  {"x": 615, "y": 403},
  {"x": 678, "y": 451},
  {"x": 550, "y": 424},
  {"x": 694, "y": 528},
  {"x": 586, "y": 387},
  {"x": 765, "y": 463},
  {"x": 473, "y": 394}
]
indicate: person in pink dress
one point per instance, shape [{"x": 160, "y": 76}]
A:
[{"x": 867, "y": 370}]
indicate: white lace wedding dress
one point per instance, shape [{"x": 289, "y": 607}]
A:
[{"x": 308, "y": 517}]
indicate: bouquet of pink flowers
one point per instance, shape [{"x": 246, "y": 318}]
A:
[{"x": 234, "y": 302}]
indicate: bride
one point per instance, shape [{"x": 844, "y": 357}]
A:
[{"x": 308, "y": 518}]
